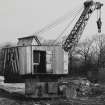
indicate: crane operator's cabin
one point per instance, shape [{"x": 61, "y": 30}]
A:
[{"x": 35, "y": 58}]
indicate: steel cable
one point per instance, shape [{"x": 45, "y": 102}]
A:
[
  {"x": 67, "y": 26},
  {"x": 57, "y": 21}
]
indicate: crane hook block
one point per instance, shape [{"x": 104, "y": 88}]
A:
[{"x": 99, "y": 24}]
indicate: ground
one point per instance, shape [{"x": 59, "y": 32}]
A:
[{"x": 13, "y": 94}]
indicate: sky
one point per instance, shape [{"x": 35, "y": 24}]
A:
[{"x": 19, "y": 18}]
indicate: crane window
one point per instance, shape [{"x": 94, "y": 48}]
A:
[{"x": 36, "y": 57}]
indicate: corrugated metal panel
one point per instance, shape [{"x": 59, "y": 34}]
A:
[
  {"x": 22, "y": 60},
  {"x": 49, "y": 60},
  {"x": 65, "y": 63},
  {"x": 29, "y": 59},
  {"x": 25, "y": 59},
  {"x": 59, "y": 58}
]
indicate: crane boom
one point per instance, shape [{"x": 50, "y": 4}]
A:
[{"x": 74, "y": 36}]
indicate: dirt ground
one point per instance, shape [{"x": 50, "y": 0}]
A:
[{"x": 13, "y": 94}]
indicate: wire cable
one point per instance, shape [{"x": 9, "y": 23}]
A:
[
  {"x": 67, "y": 26},
  {"x": 57, "y": 21}
]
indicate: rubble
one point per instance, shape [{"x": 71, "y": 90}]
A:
[{"x": 80, "y": 87}]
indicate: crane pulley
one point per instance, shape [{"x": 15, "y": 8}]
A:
[{"x": 99, "y": 22}]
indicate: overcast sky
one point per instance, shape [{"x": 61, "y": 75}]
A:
[{"x": 20, "y": 18}]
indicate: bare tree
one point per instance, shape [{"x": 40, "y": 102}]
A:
[
  {"x": 84, "y": 50},
  {"x": 99, "y": 49}
]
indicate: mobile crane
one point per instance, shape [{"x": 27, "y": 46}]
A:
[{"x": 27, "y": 53}]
